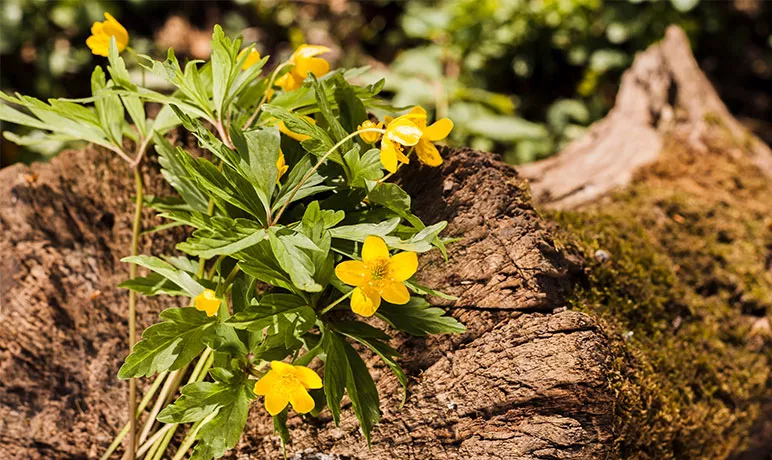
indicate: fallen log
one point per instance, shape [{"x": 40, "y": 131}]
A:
[{"x": 636, "y": 327}]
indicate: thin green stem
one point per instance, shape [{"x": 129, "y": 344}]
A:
[
  {"x": 231, "y": 276},
  {"x": 142, "y": 405},
  {"x": 136, "y": 229},
  {"x": 265, "y": 96},
  {"x": 317, "y": 165},
  {"x": 339, "y": 300}
]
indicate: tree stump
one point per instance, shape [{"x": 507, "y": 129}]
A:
[{"x": 548, "y": 367}]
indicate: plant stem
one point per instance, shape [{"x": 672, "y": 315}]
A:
[
  {"x": 169, "y": 388},
  {"x": 318, "y": 164},
  {"x": 339, "y": 300},
  {"x": 265, "y": 96},
  {"x": 145, "y": 401},
  {"x": 231, "y": 276},
  {"x": 136, "y": 228},
  {"x": 153, "y": 439}
]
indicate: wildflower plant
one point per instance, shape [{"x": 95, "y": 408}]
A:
[{"x": 297, "y": 240}]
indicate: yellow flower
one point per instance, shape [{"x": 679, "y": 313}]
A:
[
  {"x": 426, "y": 151},
  {"x": 377, "y": 276},
  {"x": 281, "y": 165},
  {"x": 305, "y": 61},
  {"x": 402, "y": 131},
  {"x": 207, "y": 301},
  {"x": 286, "y": 383},
  {"x": 99, "y": 41},
  {"x": 372, "y": 136},
  {"x": 298, "y": 137},
  {"x": 252, "y": 58}
]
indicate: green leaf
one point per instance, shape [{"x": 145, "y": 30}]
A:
[
  {"x": 258, "y": 317},
  {"x": 174, "y": 171},
  {"x": 362, "y": 392},
  {"x": 223, "y": 431},
  {"x": 153, "y": 284},
  {"x": 168, "y": 345},
  {"x": 199, "y": 400},
  {"x": 418, "y": 318},
  {"x": 375, "y": 339},
  {"x": 222, "y": 65},
  {"x": 351, "y": 109},
  {"x": 280, "y": 427},
  {"x": 109, "y": 107},
  {"x": 359, "y": 232},
  {"x": 221, "y": 240},
  {"x": 168, "y": 271},
  {"x": 259, "y": 151},
  {"x": 364, "y": 168},
  {"x": 294, "y": 260},
  {"x": 335, "y": 372}
]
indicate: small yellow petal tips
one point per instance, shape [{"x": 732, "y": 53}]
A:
[
  {"x": 286, "y": 383},
  {"x": 305, "y": 61},
  {"x": 370, "y": 137},
  {"x": 99, "y": 41},
  {"x": 281, "y": 165},
  {"x": 207, "y": 301},
  {"x": 377, "y": 276},
  {"x": 252, "y": 58}
]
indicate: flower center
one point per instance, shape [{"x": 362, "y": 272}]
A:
[{"x": 379, "y": 270}]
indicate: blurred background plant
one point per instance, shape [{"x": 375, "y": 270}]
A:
[{"x": 518, "y": 77}]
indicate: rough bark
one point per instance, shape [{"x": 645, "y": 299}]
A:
[{"x": 530, "y": 379}]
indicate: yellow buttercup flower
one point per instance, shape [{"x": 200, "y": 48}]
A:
[
  {"x": 377, "y": 276},
  {"x": 426, "y": 151},
  {"x": 402, "y": 131},
  {"x": 99, "y": 41},
  {"x": 208, "y": 301},
  {"x": 252, "y": 59},
  {"x": 305, "y": 61},
  {"x": 286, "y": 383},
  {"x": 372, "y": 136},
  {"x": 281, "y": 165},
  {"x": 298, "y": 137}
]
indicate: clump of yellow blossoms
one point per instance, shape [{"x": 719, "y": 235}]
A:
[
  {"x": 305, "y": 61},
  {"x": 411, "y": 130},
  {"x": 377, "y": 276},
  {"x": 99, "y": 41},
  {"x": 208, "y": 301},
  {"x": 252, "y": 58},
  {"x": 286, "y": 383}
]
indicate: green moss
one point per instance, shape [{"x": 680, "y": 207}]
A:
[{"x": 687, "y": 278}]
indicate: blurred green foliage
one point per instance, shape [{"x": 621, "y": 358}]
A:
[
  {"x": 524, "y": 77},
  {"x": 518, "y": 77}
]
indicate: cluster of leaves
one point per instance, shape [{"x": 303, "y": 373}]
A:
[
  {"x": 264, "y": 243},
  {"x": 523, "y": 78}
]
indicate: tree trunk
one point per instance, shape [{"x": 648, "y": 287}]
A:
[{"x": 548, "y": 367}]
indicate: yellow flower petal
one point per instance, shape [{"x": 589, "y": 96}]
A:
[
  {"x": 276, "y": 401},
  {"x": 252, "y": 59},
  {"x": 394, "y": 292},
  {"x": 370, "y": 137},
  {"x": 282, "y": 368},
  {"x": 266, "y": 383},
  {"x": 99, "y": 41},
  {"x": 207, "y": 301},
  {"x": 308, "y": 377},
  {"x": 428, "y": 153},
  {"x": 301, "y": 401},
  {"x": 317, "y": 66},
  {"x": 389, "y": 155},
  {"x": 281, "y": 166},
  {"x": 365, "y": 303},
  {"x": 403, "y": 265},
  {"x": 404, "y": 132},
  {"x": 351, "y": 272},
  {"x": 298, "y": 137},
  {"x": 374, "y": 249},
  {"x": 288, "y": 82},
  {"x": 309, "y": 51},
  {"x": 439, "y": 129}
]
